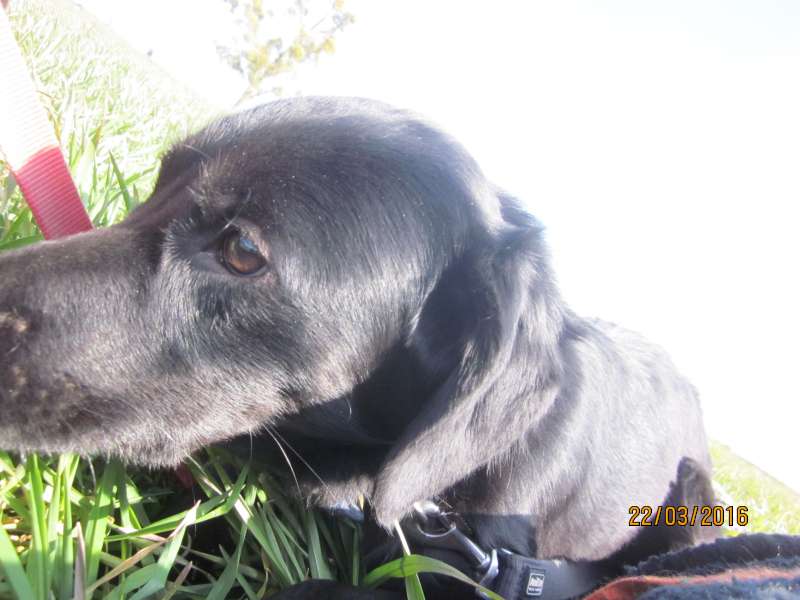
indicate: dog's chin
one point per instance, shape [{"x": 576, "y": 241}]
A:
[
  {"x": 152, "y": 424},
  {"x": 155, "y": 453},
  {"x": 63, "y": 417}
]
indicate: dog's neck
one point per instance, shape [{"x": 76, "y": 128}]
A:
[{"x": 375, "y": 412}]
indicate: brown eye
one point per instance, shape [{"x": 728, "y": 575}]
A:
[{"x": 240, "y": 255}]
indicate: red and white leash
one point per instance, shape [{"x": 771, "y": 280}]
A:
[{"x": 31, "y": 150}]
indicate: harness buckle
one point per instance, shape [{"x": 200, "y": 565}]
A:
[{"x": 432, "y": 528}]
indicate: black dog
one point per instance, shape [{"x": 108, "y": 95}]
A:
[{"x": 343, "y": 271}]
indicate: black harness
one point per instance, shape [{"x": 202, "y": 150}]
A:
[{"x": 513, "y": 576}]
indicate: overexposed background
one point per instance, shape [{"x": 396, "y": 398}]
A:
[{"x": 659, "y": 142}]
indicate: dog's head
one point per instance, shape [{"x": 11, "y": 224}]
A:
[{"x": 286, "y": 251}]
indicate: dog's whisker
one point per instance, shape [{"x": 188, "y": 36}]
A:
[
  {"x": 286, "y": 458},
  {"x": 302, "y": 460}
]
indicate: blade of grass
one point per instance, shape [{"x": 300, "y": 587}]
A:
[
  {"x": 335, "y": 543},
  {"x": 414, "y": 564},
  {"x": 356, "y": 554},
  {"x": 135, "y": 580},
  {"x": 248, "y": 590},
  {"x": 265, "y": 535},
  {"x": 289, "y": 537},
  {"x": 125, "y": 565},
  {"x": 98, "y": 518},
  {"x": 79, "y": 579},
  {"x": 411, "y": 581},
  {"x": 136, "y": 517},
  {"x": 157, "y": 582},
  {"x": 195, "y": 591},
  {"x": 291, "y": 549},
  {"x": 414, "y": 588},
  {"x": 261, "y": 528},
  {"x": 316, "y": 559},
  {"x": 19, "y": 506},
  {"x": 210, "y": 509},
  {"x": 37, "y": 565},
  {"x": 246, "y": 570},
  {"x": 11, "y": 566},
  {"x": 125, "y": 512},
  {"x": 17, "y": 475},
  {"x": 269, "y": 485},
  {"x": 225, "y": 582},
  {"x": 68, "y": 466},
  {"x": 10, "y": 244},
  {"x": 173, "y": 587},
  {"x": 6, "y": 462},
  {"x": 53, "y": 522},
  {"x": 123, "y": 186}
]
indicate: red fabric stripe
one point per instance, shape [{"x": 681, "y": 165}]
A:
[
  {"x": 31, "y": 149},
  {"x": 47, "y": 186},
  {"x": 629, "y": 588}
]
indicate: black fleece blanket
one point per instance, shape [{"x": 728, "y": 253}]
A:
[{"x": 757, "y": 566}]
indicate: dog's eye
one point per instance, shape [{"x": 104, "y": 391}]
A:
[{"x": 240, "y": 255}]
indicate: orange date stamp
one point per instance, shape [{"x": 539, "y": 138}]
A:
[{"x": 688, "y": 516}]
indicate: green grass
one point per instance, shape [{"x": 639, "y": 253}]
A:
[
  {"x": 113, "y": 113},
  {"x": 771, "y": 506},
  {"x": 71, "y": 527},
  {"x": 61, "y": 525}
]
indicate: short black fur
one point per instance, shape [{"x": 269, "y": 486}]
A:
[{"x": 407, "y": 337}]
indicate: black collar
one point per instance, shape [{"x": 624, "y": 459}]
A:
[{"x": 512, "y": 576}]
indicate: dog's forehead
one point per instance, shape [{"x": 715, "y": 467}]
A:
[
  {"x": 286, "y": 132},
  {"x": 329, "y": 167}
]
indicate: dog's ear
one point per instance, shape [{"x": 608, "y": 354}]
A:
[{"x": 501, "y": 306}]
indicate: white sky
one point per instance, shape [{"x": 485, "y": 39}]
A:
[{"x": 659, "y": 142}]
